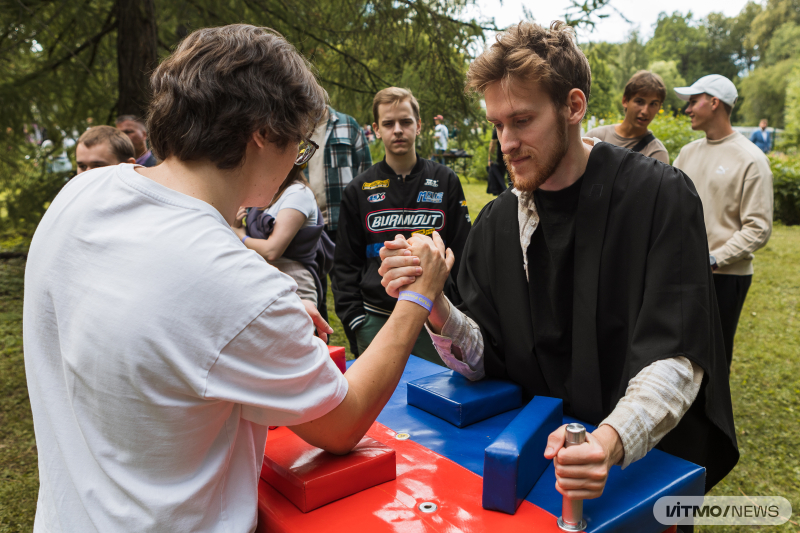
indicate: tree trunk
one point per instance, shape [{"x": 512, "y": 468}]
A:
[{"x": 136, "y": 54}]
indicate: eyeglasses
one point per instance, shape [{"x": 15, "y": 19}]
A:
[{"x": 306, "y": 149}]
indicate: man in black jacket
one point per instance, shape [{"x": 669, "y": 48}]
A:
[
  {"x": 589, "y": 281},
  {"x": 403, "y": 194}
]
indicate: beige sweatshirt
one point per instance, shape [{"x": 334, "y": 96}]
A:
[
  {"x": 734, "y": 181},
  {"x": 654, "y": 148}
]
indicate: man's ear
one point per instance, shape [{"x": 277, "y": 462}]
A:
[
  {"x": 576, "y": 106},
  {"x": 375, "y": 130},
  {"x": 260, "y": 138},
  {"x": 419, "y": 127},
  {"x": 130, "y": 160}
]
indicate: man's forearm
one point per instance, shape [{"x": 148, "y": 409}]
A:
[
  {"x": 372, "y": 380},
  {"x": 458, "y": 341},
  {"x": 655, "y": 401},
  {"x": 439, "y": 314}
]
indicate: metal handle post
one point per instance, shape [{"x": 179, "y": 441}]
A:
[{"x": 571, "y": 518}]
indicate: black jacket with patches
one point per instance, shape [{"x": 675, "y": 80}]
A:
[{"x": 377, "y": 205}]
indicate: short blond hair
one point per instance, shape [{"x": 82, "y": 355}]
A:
[
  {"x": 392, "y": 95},
  {"x": 121, "y": 146}
]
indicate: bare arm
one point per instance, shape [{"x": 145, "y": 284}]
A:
[
  {"x": 374, "y": 376},
  {"x": 287, "y": 224}
]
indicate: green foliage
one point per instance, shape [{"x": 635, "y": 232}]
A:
[
  {"x": 28, "y": 190},
  {"x": 19, "y": 481},
  {"x": 785, "y": 44},
  {"x": 674, "y": 131},
  {"x": 59, "y": 64},
  {"x": 668, "y": 70},
  {"x": 604, "y": 99},
  {"x": 764, "y": 93},
  {"x": 631, "y": 57},
  {"x": 786, "y": 183},
  {"x": 791, "y": 137},
  {"x": 679, "y": 38},
  {"x": 775, "y": 14},
  {"x": 479, "y": 149}
]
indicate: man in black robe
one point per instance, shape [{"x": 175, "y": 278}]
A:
[{"x": 589, "y": 281}]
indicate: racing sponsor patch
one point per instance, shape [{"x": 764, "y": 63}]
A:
[
  {"x": 378, "y": 197},
  {"x": 431, "y": 183},
  {"x": 430, "y": 197},
  {"x": 375, "y": 185},
  {"x": 426, "y": 231},
  {"x": 463, "y": 203},
  {"x": 404, "y": 220}
]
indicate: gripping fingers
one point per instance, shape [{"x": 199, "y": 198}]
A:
[
  {"x": 404, "y": 272},
  {"x": 391, "y": 263},
  {"x": 449, "y": 259},
  {"x": 395, "y": 286}
]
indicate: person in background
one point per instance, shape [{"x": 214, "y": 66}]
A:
[
  {"x": 136, "y": 130},
  {"x": 496, "y": 182},
  {"x": 734, "y": 182},
  {"x": 762, "y": 138},
  {"x": 288, "y": 234},
  {"x": 403, "y": 194},
  {"x": 102, "y": 146},
  {"x": 440, "y": 137},
  {"x": 368, "y": 134},
  {"x": 644, "y": 93},
  {"x": 344, "y": 154}
]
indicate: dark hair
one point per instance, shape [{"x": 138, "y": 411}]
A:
[
  {"x": 530, "y": 52},
  {"x": 645, "y": 82},
  {"x": 223, "y": 84},
  {"x": 131, "y": 118},
  {"x": 121, "y": 146}
]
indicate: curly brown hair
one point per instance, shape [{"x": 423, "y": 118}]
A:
[
  {"x": 530, "y": 52},
  {"x": 223, "y": 84}
]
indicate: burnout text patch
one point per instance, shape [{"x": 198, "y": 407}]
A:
[{"x": 404, "y": 220}]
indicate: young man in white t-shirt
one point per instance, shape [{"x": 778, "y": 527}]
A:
[{"x": 158, "y": 349}]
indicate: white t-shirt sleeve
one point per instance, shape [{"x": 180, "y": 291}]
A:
[
  {"x": 280, "y": 373},
  {"x": 300, "y": 198}
]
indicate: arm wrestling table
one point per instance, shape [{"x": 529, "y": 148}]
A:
[{"x": 443, "y": 465}]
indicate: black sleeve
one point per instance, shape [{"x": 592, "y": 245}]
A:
[
  {"x": 679, "y": 317},
  {"x": 349, "y": 260},
  {"x": 456, "y": 232}
]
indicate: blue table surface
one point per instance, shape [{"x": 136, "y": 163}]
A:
[{"x": 627, "y": 501}]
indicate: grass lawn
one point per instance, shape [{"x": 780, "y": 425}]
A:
[{"x": 765, "y": 383}]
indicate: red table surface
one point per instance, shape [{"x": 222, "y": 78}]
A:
[{"x": 422, "y": 476}]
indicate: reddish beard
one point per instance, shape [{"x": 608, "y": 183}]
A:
[{"x": 544, "y": 166}]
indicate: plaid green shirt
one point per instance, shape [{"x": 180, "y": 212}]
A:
[{"x": 346, "y": 156}]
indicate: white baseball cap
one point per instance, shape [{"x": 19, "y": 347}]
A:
[{"x": 713, "y": 84}]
